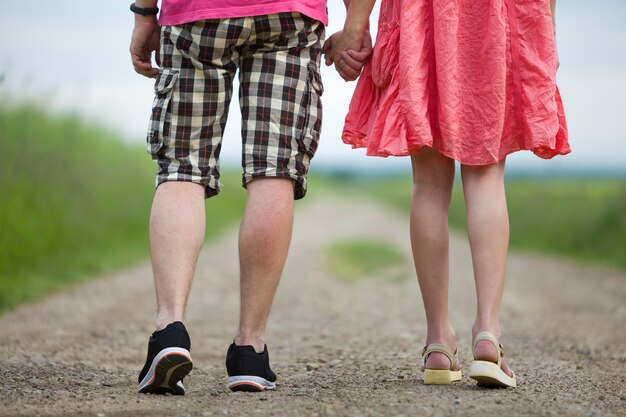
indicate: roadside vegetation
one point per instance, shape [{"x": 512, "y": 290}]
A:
[
  {"x": 75, "y": 202},
  {"x": 580, "y": 218},
  {"x": 359, "y": 258}
]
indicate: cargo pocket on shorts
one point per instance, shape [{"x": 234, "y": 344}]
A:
[
  {"x": 312, "y": 111},
  {"x": 161, "y": 118}
]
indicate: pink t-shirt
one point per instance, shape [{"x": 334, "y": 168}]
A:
[{"x": 176, "y": 12}]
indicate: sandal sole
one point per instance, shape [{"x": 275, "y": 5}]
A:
[
  {"x": 441, "y": 376},
  {"x": 490, "y": 375}
]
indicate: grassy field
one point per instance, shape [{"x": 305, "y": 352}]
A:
[
  {"x": 355, "y": 259},
  {"x": 580, "y": 218},
  {"x": 74, "y": 202}
]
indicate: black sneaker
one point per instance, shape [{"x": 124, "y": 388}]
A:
[
  {"x": 248, "y": 370},
  {"x": 168, "y": 361}
]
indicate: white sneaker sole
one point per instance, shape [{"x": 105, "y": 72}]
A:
[
  {"x": 167, "y": 370},
  {"x": 249, "y": 383}
]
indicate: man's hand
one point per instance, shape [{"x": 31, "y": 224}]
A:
[
  {"x": 349, "y": 60},
  {"x": 144, "y": 42},
  {"x": 328, "y": 45}
]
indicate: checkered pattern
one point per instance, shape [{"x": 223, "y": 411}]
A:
[{"x": 278, "y": 58}]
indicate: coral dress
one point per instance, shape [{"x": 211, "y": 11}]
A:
[{"x": 473, "y": 79}]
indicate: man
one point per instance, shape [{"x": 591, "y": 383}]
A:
[{"x": 276, "y": 46}]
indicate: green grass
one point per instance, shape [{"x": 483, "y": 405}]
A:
[
  {"x": 584, "y": 219},
  {"x": 354, "y": 259},
  {"x": 75, "y": 200},
  {"x": 74, "y": 203}
]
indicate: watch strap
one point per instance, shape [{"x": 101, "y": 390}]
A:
[{"x": 144, "y": 11}]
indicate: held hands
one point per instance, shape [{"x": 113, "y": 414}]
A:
[
  {"x": 145, "y": 41},
  {"x": 348, "y": 53}
]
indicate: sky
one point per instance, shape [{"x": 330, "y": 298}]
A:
[{"x": 72, "y": 55}]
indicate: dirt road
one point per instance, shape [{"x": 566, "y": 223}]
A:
[{"x": 339, "y": 348}]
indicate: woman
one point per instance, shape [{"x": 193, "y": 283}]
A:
[{"x": 469, "y": 81}]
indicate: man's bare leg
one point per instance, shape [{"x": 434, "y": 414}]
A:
[
  {"x": 264, "y": 238},
  {"x": 177, "y": 223}
]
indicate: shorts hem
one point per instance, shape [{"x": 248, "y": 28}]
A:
[
  {"x": 300, "y": 181},
  {"x": 209, "y": 190}
]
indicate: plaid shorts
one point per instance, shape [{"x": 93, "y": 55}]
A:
[{"x": 278, "y": 57}]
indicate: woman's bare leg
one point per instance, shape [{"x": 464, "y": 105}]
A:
[
  {"x": 433, "y": 178},
  {"x": 488, "y": 232}
]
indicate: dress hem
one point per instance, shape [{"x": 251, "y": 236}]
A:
[{"x": 540, "y": 151}]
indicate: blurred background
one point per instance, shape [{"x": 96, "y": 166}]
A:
[
  {"x": 75, "y": 178},
  {"x": 71, "y": 55}
]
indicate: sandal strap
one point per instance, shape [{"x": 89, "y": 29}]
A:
[
  {"x": 490, "y": 337},
  {"x": 439, "y": 348}
]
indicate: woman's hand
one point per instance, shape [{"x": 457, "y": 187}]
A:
[
  {"x": 348, "y": 53},
  {"x": 338, "y": 43},
  {"x": 351, "y": 62}
]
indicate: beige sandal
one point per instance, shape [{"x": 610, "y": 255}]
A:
[
  {"x": 440, "y": 376},
  {"x": 489, "y": 374}
]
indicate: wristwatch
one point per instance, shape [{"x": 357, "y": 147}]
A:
[{"x": 144, "y": 11}]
